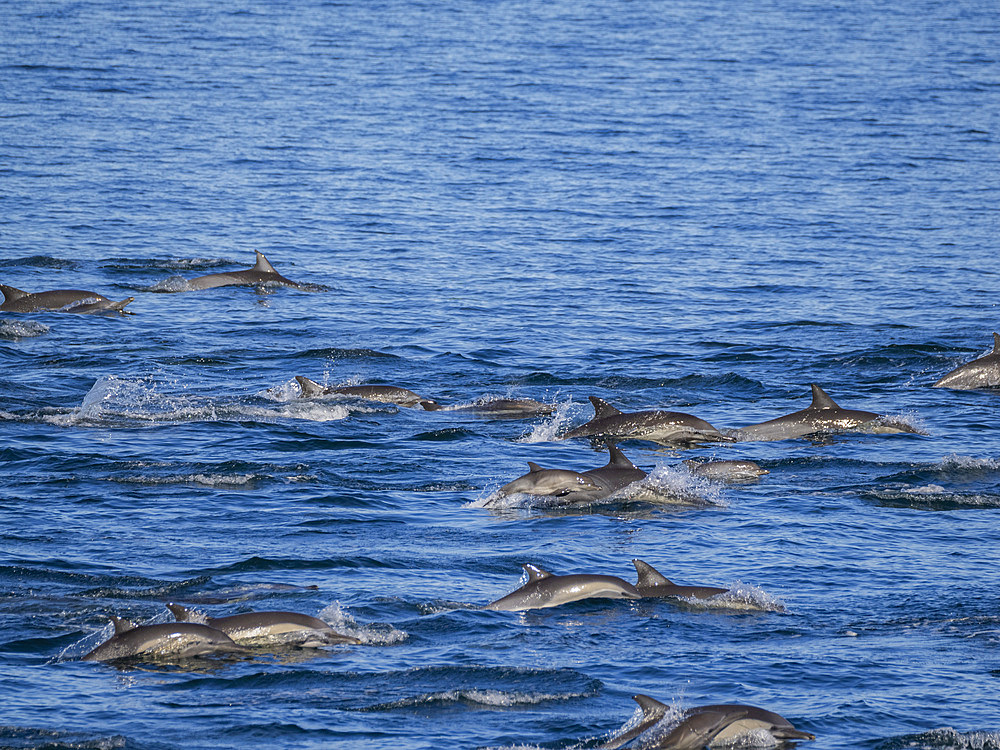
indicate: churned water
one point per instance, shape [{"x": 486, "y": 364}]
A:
[{"x": 694, "y": 206}]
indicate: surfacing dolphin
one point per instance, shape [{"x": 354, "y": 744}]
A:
[
  {"x": 979, "y": 373},
  {"x": 727, "y": 471},
  {"x": 703, "y": 726},
  {"x": 546, "y": 590},
  {"x": 261, "y": 628},
  {"x": 822, "y": 416},
  {"x": 60, "y": 300},
  {"x": 173, "y": 640},
  {"x": 653, "y": 584},
  {"x": 664, "y": 427},
  {"x": 261, "y": 273},
  {"x": 586, "y": 486},
  {"x": 386, "y": 394},
  {"x": 498, "y": 408}
]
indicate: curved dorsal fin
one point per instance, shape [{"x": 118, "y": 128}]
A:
[
  {"x": 996, "y": 342},
  {"x": 181, "y": 614},
  {"x": 122, "y": 625},
  {"x": 650, "y": 706},
  {"x": 617, "y": 458},
  {"x": 820, "y": 399},
  {"x": 602, "y": 408},
  {"x": 535, "y": 573},
  {"x": 11, "y": 293},
  {"x": 649, "y": 576},
  {"x": 533, "y": 467},
  {"x": 309, "y": 387},
  {"x": 262, "y": 264}
]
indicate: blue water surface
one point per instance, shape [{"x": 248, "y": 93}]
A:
[{"x": 692, "y": 206}]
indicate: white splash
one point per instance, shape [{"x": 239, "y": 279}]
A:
[{"x": 372, "y": 634}]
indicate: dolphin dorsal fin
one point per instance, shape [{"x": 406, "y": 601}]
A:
[
  {"x": 122, "y": 625},
  {"x": 533, "y": 467},
  {"x": 650, "y": 706},
  {"x": 996, "y": 342},
  {"x": 309, "y": 387},
  {"x": 535, "y": 573},
  {"x": 10, "y": 293},
  {"x": 821, "y": 400},
  {"x": 617, "y": 458},
  {"x": 181, "y": 614},
  {"x": 602, "y": 408},
  {"x": 262, "y": 264},
  {"x": 649, "y": 576}
]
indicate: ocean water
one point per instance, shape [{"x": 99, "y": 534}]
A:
[{"x": 691, "y": 206}]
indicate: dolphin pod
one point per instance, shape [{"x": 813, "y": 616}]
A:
[
  {"x": 983, "y": 372},
  {"x": 664, "y": 427},
  {"x": 175, "y": 640},
  {"x": 256, "y": 628},
  {"x": 595, "y": 484},
  {"x": 60, "y": 300},
  {"x": 544, "y": 589},
  {"x": 701, "y": 726},
  {"x": 823, "y": 415}
]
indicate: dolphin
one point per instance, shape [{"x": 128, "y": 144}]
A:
[
  {"x": 499, "y": 408},
  {"x": 704, "y": 725},
  {"x": 256, "y": 628},
  {"x": 546, "y": 590},
  {"x": 652, "y": 584},
  {"x": 595, "y": 484},
  {"x": 822, "y": 415},
  {"x": 979, "y": 373},
  {"x": 59, "y": 300},
  {"x": 262, "y": 273},
  {"x": 177, "y": 640},
  {"x": 665, "y": 427},
  {"x": 387, "y": 394},
  {"x": 726, "y": 471}
]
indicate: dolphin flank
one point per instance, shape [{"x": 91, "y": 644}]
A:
[
  {"x": 386, "y": 394},
  {"x": 727, "y": 471},
  {"x": 983, "y": 372},
  {"x": 498, "y": 408},
  {"x": 261, "y": 273},
  {"x": 257, "y": 628},
  {"x": 665, "y": 427},
  {"x": 822, "y": 416},
  {"x": 60, "y": 300},
  {"x": 586, "y": 486},
  {"x": 175, "y": 640},
  {"x": 546, "y": 590}
]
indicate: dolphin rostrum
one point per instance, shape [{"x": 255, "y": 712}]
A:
[
  {"x": 498, "y": 408},
  {"x": 257, "y": 628},
  {"x": 174, "y": 640},
  {"x": 651, "y": 583},
  {"x": 262, "y": 273},
  {"x": 59, "y": 300},
  {"x": 703, "y": 726},
  {"x": 594, "y": 484},
  {"x": 664, "y": 427},
  {"x": 822, "y": 416},
  {"x": 726, "y": 471},
  {"x": 387, "y": 394},
  {"x": 979, "y": 373},
  {"x": 546, "y": 590}
]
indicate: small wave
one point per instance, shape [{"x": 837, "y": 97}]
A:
[
  {"x": 476, "y": 697},
  {"x": 170, "y": 285},
  {"x": 673, "y": 485},
  {"x": 206, "y": 480},
  {"x": 740, "y": 596},
  {"x": 27, "y": 738},
  {"x": 945, "y": 738},
  {"x": 14, "y": 330},
  {"x": 372, "y": 634},
  {"x": 933, "y": 497}
]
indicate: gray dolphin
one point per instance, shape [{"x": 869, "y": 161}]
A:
[
  {"x": 546, "y": 590},
  {"x": 704, "y": 725},
  {"x": 651, "y": 583},
  {"x": 979, "y": 373},
  {"x": 726, "y": 471},
  {"x": 257, "y": 628},
  {"x": 261, "y": 273},
  {"x": 499, "y": 408},
  {"x": 822, "y": 415},
  {"x": 665, "y": 427},
  {"x": 594, "y": 484},
  {"x": 176, "y": 640},
  {"x": 386, "y": 394},
  {"x": 59, "y": 300}
]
